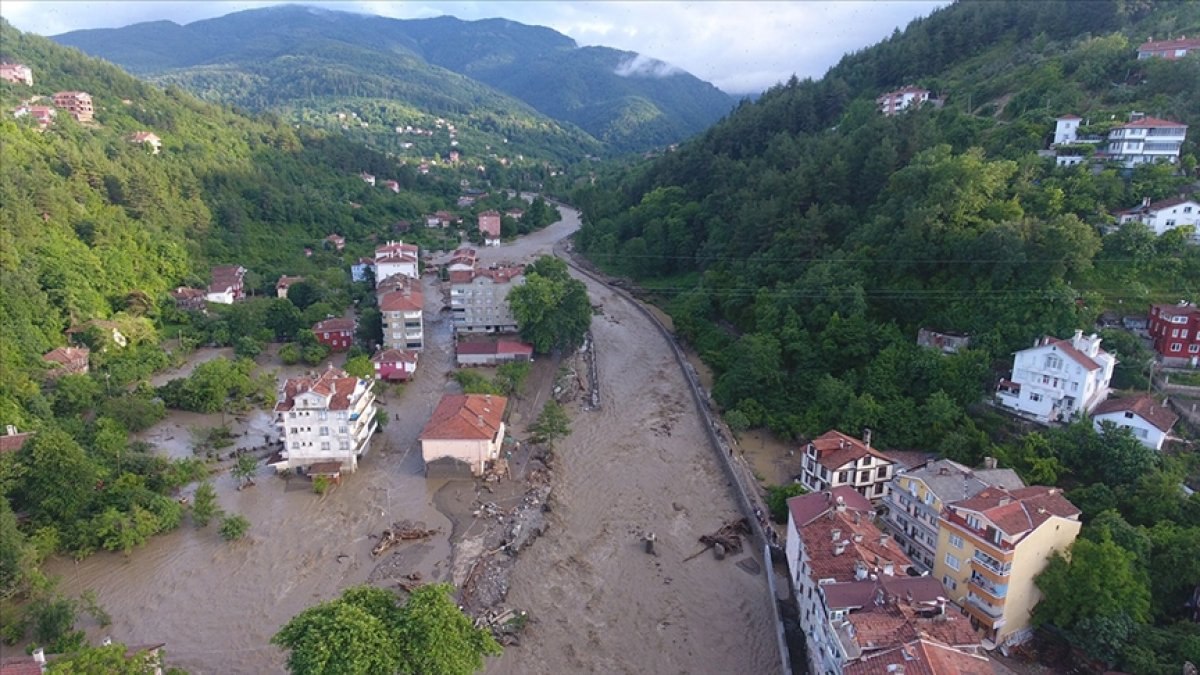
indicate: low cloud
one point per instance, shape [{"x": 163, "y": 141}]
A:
[{"x": 644, "y": 66}]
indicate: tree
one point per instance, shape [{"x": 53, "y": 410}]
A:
[
  {"x": 204, "y": 504},
  {"x": 355, "y": 634},
  {"x": 290, "y": 354},
  {"x": 244, "y": 469},
  {"x": 551, "y": 308},
  {"x": 360, "y": 367},
  {"x": 777, "y": 496},
  {"x": 510, "y": 376},
  {"x": 111, "y": 659},
  {"x": 436, "y": 638},
  {"x": 551, "y": 424},
  {"x": 234, "y": 527},
  {"x": 303, "y": 295}
]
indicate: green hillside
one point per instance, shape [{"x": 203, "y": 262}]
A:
[
  {"x": 800, "y": 244},
  {"x": 496, "y": 79}
]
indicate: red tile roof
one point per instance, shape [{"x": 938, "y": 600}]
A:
[
  {"x": 1168, "y": 45},
  {"x": 14, "y": 442},
  {"x": 286, "y": 282},
  {"x": 66, "y": 355},
  {"x": 1072, "y": 353},
  {"x": 497, "y": 347},
  {"x": 334, "y": 325},
  {"x": 396, "y": 252},
  {"x": 1069, "y": 117},
  {"x": 809, "y": 507},
  {"x": 1154, "y": 412},
  {"x": 921, "y": 657},
  {"x": 465, "y": 417},
  {"x": 1152, "y": 123},
  {"x": 835, "y": 450},
  {"x": 1176, "y": 310},
  {"x": 500, "y": 275},
  {"x": 401, "y": 301},
  {"x": 395, "y": 356},
  {"x": 337, "y": 386},
  {"x": 816, "y": 516},
  {"x": 1016, "y": 512},
  {"x": 1160, "y": 204},
  {"x": 20, "y": 665}
]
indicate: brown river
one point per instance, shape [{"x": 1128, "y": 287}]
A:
[{"x": 599, "y": 604}]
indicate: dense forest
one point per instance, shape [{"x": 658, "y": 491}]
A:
[
  {"x": 800, "y": 244},
  {"x": 496, "y": 79}
]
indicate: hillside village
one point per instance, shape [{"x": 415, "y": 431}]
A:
[{"x": 883, "y": 555}]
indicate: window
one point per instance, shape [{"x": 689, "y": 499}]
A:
[
  {"x": 324, "y": 431},
  {"x": 912, "y": 488},
  {"x": 1194, "y": 349},
  {"x": 928, "y": 499},
  {"x": 1174, "y": 332},
  {"x": 324, "y": 446},
  {"x": 864, "y": 476},
  {"x": 951, "y": 562},
  {"x": 956, "y": 541},
  {"x": 974, "y": 523},
  {"x": 881, "y": 472},
  {"x": 292, "y": 415},
  {"x": 1035, "y": 397},
  {"x": 295, "y": 444},
  {"x": 866, "y": 461},
  {"x": 843, "y": 477},
  {"x": 343, "y": 429},
  {"x": 322, "y": 414},
  {"x": 1053, "y": 362},
  {"x": 949, "y": 582},
  {"x": 344, "y": 445},
  {"x": 1177, "y": 346}
]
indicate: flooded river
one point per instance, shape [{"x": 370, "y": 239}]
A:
[{"x": 640, "y": 463}]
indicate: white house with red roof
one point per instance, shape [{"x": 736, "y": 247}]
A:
[
  {"x": 1058, "y": 380},
  {"x": 1145, "y": 140},
  {"x": 396, "y": 257},
  {"x": 228, "y": 284},
  {"x": 465, "y": 432},
  {"x": 403, "y": 308},
  {"x": 325, "y": 419},
  {"x": 395, "y": 364},
  {"x": 1165, "y": 214},
  {"x": 834, "y": 459},
  {"x": 1149, "y": 420},
  {"x": 285, "y": 282},
  {"x": 1168, "y": 49},
  {"x": 901, "y": 99},
  {"x": 43, "y": 115},
  {"x": 16, "y": 73}
]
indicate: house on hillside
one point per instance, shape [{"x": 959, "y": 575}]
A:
[
  {"x": 492, "y": 353},
  {"x": 396, "y": 257},
  {"x": 947, "y": 343},
  {"x": 336, "y": 241},
  {"x": 1165, "y": 214},
  {"x": 396, "y": 365},
  {"x": 993, "y": 545},
  {"x": 285, "y": 282},
  {"x": 360, "y": 270},
  {"x": 915, "y": 500},
  {"x": 1149, "y": 421},
  {"x": 189, "y": 299},
  {"x": 77, "y": 103},
  {"x": 325, "y": 422},
  {"x": 392, "y": 185},
  {"x": 337, "y": 333},
  {"x": 1175, "y": 332},
  {"x": 489, "y": 227},
  {"x": 67, "y": 361},
  {"x": 464, "y": 434},
  {"x": 228, "y": 284},
  {"x": 1168, "y": 49},
  {"x": 12, "y": 440},
  {"x": 16, "y": 73},
  {"x": 1145, "y": 140},
  {"x": 834, "y": 459},
  {"x": 902, "y": 99},
  {"x": 42, "y": 115},
  {"x": 515, "y": 214},
  {"x": 367, "y": 178},
  {"x": 147, "y": 138},
  {"x": 108, "y": 331},
  {"x": 1058, "y": 380}
]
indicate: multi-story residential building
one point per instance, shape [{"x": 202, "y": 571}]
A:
[
  {"x": 480, "y": 305},
  {"x": 16, "y": 73},
  {"x": 1168, "y": 49},
  {"x": 460, "y": 269},
  {"x": 396, "y": 257},
  {"x": 992, "y": 546},
  {"x": 464, "y": 434},
  {"x": 832, "y": 538},
  {"x": 1175, "y": 331},
  {"x": 1165, "y": 214},
  {"x": 1150, "y": 421},
  {"x": 394, "y": 364},
  {"x": 402, "y": 305},
  {"x": 77, "y": 103},
  {"x": 833, "y": 459},
  {"x": 325, "y": 419},
  {"x": 337, "y": 333},
  {"x": 915, "y": 500},
  {"x": 902, "y": 99},
  {"x": 1058, "y": 380},
  {"x": 228, "y": 284},
  {"x": 1145, "y": 140},
  {"x": 489, "y": 227}
]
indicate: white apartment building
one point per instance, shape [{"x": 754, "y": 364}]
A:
[
  {"x": 480, "y": 304},
  {"x": 834, "y": 459},
  {"x": 1058, "y": 380},
  {"x": 325, "y": 419},
  {"x": 1165, "y": 214},
  {"x": 1145, "y": 140},
  {"x": 902, "y": 99},
  {"x": 402, "y": 305},
  {"x": 396, "y": 257}
]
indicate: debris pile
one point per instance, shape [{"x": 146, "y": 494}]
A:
[
  {"x": 509, "y": 532},
  {"x": 404, "y": 530},
  {"x": 724, "y": 541}
]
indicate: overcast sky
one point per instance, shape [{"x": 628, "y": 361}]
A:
[{"x": 741, "y": 47}]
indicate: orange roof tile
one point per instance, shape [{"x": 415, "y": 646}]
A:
[{"x": 465, "y": 417}]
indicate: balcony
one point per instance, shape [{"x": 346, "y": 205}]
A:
[
  {"x": 997, "y": 591},
  {"x": 988, "y": 612},
  {"x": 990, "y": 564}
]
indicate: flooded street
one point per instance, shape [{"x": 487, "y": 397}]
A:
[{"x": 641, "y": 463}]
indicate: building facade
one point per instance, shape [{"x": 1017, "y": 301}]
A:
[
  {"x": 16, "y": 73},
  {"x": 337, "y": 334},
  {"x": 992, "y": 546},
  {"x": 1168, "y": 49},
  {"x": 1145, "y": 140},
  {"x": 902, "y": 99},
  {"x": 480, "y": 304},
  {"x": 465, "y": 429},
  {"x": 395, "y": 365},
  {"x": 1149, "y": 421},
  {"x": 1058, "y": 380},
  {"x": 1165, "y": 215},
  {"x": 915, "y": 500},
  {"x": 77, "y": 103},
  {"x": 489, "y": 227},
  {"x": 327, "y": 418},
  {"x": 492, "y": 353},
  {"x": 396, "y": 257},
  {"x": 402, "y": 306},
  {"x": 228, "y": 284},
  {"x": 835, "y": 459},
  {"x": 1175, "y": 331}
]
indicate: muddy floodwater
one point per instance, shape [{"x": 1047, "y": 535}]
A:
[{"x": 641, "y": 463}]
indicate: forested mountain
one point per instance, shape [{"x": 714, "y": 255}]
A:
[
  {"x": 801, "y": 242},
  {"x": 308, "y": 58}
]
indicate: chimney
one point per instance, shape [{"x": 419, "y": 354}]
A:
[
  {"x": 883, "y": 538},
  {"x": 858, "y": 537},
  {"x": 867, "y": 437},
  {"x": 860, "y": 571},
  {"x": 880, "y": 598},
  {"x": 889, "y": 569},
  {"x": 841, "y": 504},
  {"x": 10, "y": 429},
  {"x": 1145, "y": 201},
  {"x": 908, "y": 596},
  {"x": 1078, "y": 337},
  {"x": 106, "y": 641},
  {"x": 39, "y": 656},
  {"x": 989, "y": 462},
  {"x": 835, "y": 534},
  {"x": 839, "y": 548}
]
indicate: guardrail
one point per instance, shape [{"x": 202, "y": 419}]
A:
[{"x": 720, "y": 439}]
